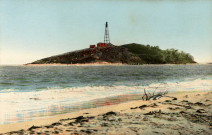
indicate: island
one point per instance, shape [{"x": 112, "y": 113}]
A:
[{"x": 130, "y": 54}]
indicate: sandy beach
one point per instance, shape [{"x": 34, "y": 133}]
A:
[
  {"x": 78, "y": 64},
  {"x": 176, "y": 113},
  {"x": 103, "y": 64}
]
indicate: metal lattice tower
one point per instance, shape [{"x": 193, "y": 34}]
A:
[{"x": 106, "y": 37}]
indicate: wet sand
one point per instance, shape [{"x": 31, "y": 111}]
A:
[{"x": 176, "y": 113}]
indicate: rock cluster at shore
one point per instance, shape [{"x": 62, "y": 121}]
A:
[{"x": 169, "y": 115}]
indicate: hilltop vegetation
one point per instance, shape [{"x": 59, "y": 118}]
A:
[
  {"x": 133, "y": 54},
  {"x": 154, "y": 55}
]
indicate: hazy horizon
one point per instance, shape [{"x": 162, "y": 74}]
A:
[{"x": 32, "y": 30}]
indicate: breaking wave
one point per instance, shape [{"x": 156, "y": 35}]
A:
[{"x": 19, "y": 106}]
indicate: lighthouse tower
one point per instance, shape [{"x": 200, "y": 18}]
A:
[{"x": 106, "y": 37}]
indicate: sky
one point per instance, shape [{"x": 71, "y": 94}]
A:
[{"x": 34, "y": 29}]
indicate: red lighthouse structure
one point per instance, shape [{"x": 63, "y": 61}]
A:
[{"x": 106, "y": 39}]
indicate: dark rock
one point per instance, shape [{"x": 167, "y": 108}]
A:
[
  {"x": 84, "y": 120},
  {"x": 82, "y": 130},
  {"x": 134, "y": 108},
  {"x": 184, "y": 101},
  {"x": 199, "y": 103},
  {"x": 95, "y": 130},
  {"x": 154, "y": 112},
  {"x": 149, "y": 113},
  {"x": 17, "y": 132},
  {"x": 71, "y": 124},
  {"x": 88, "y": 132},
  {"x": 173, "y": 108},
  {"x": 174, "y": 98},
  {"x": 110, "y": 113},
  {"x": 33, "y": 127},
  {"x": 56, "y": 124},
  {"x": 168, "y": 101},
  {"x": 188, "y": 107},
  {"x": 143, "y": 106},
  {"x": 13, "y": 132},
  {"x": 66, "y": 119},
  {"x": 201, "y": 111},
  {"x": 79, "y": 119},
  {"x": 91, "y": 117},
  {"x": 182, "y": 112},
  {"x": 170, "y": 108},
  {"x": 49, "y": 126}
]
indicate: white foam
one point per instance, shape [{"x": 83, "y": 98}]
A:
[{"x": 20, "y": 106}]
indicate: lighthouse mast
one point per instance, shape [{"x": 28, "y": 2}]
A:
[{"x": 106, "y": 37}]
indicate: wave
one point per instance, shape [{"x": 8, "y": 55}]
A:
[{"x": 19, "y": 106}]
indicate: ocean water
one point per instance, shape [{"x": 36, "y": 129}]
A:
[{"x": 32, "y": 92}]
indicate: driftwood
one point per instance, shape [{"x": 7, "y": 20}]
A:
[{"x": 153, "y": 95}]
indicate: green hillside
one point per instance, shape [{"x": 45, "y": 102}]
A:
[
  {"x": 155, "y": 55},
  {"x": 132, "y": 54}
]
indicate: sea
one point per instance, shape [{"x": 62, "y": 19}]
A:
[{"x": 34, "y": 92}]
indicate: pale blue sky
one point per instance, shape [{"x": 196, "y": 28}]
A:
[{"x": 33, "y": 29}]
